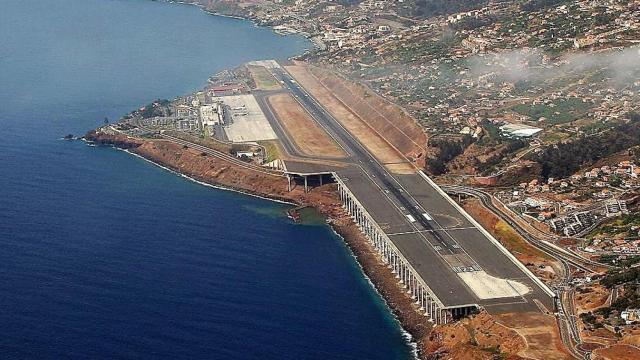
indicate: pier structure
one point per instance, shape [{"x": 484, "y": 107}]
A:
[{"x": 416, "y": 287}]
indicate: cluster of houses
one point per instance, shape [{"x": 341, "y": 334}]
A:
[
  {"x": 452, "y": 86},
  {"x": 574, "y": 206}
]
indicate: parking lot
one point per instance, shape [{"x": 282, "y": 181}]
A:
[{"x": 247, "y": 121}]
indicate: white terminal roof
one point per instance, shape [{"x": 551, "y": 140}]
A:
[{"x": 519, "y": 130}]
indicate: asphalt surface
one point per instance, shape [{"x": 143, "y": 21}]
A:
[
  {"x": 566, "y": 314},
  {"x": 432, "y": 234}
]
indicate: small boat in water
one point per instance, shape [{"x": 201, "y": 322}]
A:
[{"x": 294, "y": 214}]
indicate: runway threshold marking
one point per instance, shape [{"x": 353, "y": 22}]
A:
[{"x": 426, "y": 231}]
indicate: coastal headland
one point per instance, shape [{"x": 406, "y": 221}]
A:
[
  {"x": 481, "y": 159},
  {"x": 368, "y": 145},
  {"x": 218, "y": 172},
  {"x": 392, "y": 93}
]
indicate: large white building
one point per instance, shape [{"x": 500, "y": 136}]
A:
[
  {"x": 211, "y": 115},
  {"x": 519, "y": 130}
]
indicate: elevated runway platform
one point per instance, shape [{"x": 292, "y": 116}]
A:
[
  {"x": 449, "y": 264},
  {"x": 462, "y": 265}
]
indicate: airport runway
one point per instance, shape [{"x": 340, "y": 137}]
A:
[{"x": 438, "y": 240}]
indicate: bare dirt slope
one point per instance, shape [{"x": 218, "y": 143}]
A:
[
  {"x": 542, "y": 340},
  {"x": 398, "y": 127},
  {"x": 618, "y": 352},
  {"x": 307, "y": 135},
  {"x": 477, "y": 337},
  {"x": 376, "y": 144}
]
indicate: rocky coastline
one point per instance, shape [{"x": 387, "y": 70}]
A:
[{"x": 220, "y": 173}]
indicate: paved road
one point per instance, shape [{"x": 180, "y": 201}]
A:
[
  {"x": 572, "y": 258},
  {"x": 566, "y": 315}
]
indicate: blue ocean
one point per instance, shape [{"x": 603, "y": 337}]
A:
[{"x": 104, "y": 255}]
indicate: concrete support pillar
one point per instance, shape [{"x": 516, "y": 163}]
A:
[
  {"x": 424, "y": 299},
  {"x": 414, "y": 287},
  {"x": 433, "y": 310},
  {"x": 406, "y": 276},
  {"x": 321, "y": 180},
  {"x": 395, "y": 264},
  {"x": 305, "y": 184}
]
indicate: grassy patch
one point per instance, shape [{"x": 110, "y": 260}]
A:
[
  {"x": 514, "y": 242},
  {"x": 553, "y": 136},
  {"x": 622, "y": 225},
  {"x": 273, "y": 151},
  {"x": 559, "y": 112},
  {"x": 264, "y": 80}
]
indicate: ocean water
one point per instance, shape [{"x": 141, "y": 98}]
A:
[{"x": 104, "y": 255}]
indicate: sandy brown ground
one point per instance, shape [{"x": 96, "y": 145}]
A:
[
  {"x": 478, "y": 337},
  {"x": 540, "y": 333},
  {"x": 307, "y": 135},
  {"x": 592, "y": 300},
  {"x": 617, "y": 352},
  {"x": 388, "y": 119},
  {"x": 375, "y": 143},
  {"x": 509, "y": 336},
  {"x": 632, "y": 336}
]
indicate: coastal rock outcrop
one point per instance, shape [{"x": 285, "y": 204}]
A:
[{"x": 117, "y": 140}]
